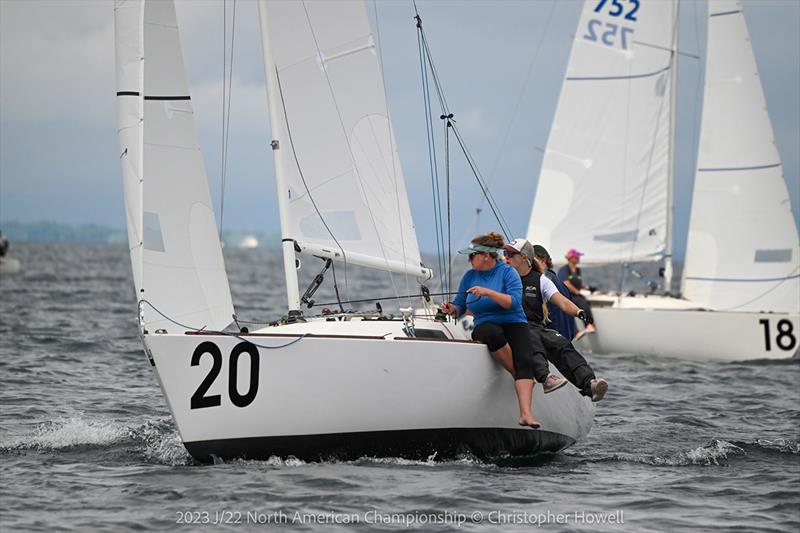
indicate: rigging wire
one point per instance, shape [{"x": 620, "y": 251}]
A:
[
  {"x": 695, "y": 122},
  {"x": 365, "y": 300},
  {"x": 432, "y": 161},
  {"x": 302, "y": 177},
  {"x": 447, "y": 125},
  {"x": 347, "y": 140},
  {"x": 445, "y": 112},
  {"x": 696, "y": 118},
  {"x": 336, "y": 287},
  {"x": 294, "y": 152},
  {"x": 392, "y": 152},
  {"x": 648, "y": 169},
  {"x": 623, "y": 273},
  {"x": 518, "y": 103},
  {"x": 498, "y": 215},
  {"x": 666, "y": 103},
  {"x": 698, "y": 93},
  {"x": 224, "y": 333},
  {"x": 522, "y": 92},
  {"x": 789, "y": 276},
  {"x": 227, "y": 86}
]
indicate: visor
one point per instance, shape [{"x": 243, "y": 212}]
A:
[{"x": 478, "y": 248}]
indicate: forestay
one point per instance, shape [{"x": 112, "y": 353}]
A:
[
  {"x": 175, "y": 251},
  {"x": 603, "y": 186},
  {"x": 342, "y": 188},
  {"x": 749, "y": 261}
]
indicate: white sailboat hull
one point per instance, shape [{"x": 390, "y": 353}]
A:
[
  {"x": 668, "y": 327},
  {"x": 373, "y": 393}
]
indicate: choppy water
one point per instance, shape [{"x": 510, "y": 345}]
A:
[{"x": 87, "y": 442}]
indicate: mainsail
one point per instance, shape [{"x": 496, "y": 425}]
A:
[
  {"x": 748, "y": 261},
  {"x": 603, "y": 187},
  {"x": 176, "y": 255},
  {"x": 341, "y": 189}
]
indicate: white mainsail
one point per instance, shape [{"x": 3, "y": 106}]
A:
[
  {"x": 604, "y": 183},
  {"x": 341, "y": 189},
  {"x": 175, "y": 251},
  {"x": 742, "y": 252}
]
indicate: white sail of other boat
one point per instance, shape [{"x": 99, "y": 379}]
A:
[
  {"x": 175, "y": 251},
  {"x": 742, "y": 253},
  {"x": 340, "y": 185},
  {"x": 603, "y": 186},
  {"x": 741, "y": 276}
]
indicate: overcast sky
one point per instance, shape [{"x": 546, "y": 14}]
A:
[{"x": 59, "y": 152}]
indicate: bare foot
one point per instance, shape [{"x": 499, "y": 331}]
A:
[{"x": 528, "y": 420}]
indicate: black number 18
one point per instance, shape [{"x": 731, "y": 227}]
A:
[{"x": 785, "y": 339}]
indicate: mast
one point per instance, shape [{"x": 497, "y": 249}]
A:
[
  {"x": 275, "y": 112},
  {"x": 673, "y": 85},
  {"x": 140, "y": 215}
]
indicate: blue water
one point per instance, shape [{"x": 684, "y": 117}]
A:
[{"x": 87, "y": 442}]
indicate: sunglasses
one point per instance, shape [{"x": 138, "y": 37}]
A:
[
  {"x": 510, "y": 254},
  {"x": 473, "y": 254}
]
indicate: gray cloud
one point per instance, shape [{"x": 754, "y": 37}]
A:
[{"x": 58, "y": 117}]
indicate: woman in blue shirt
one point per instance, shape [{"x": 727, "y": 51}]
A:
[{"x": 492, "y": 291}]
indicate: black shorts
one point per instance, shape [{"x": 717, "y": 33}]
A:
[{"x": 516, "y": 335}]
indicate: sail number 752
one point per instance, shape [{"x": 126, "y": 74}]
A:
[
  {"x": 616, "y": 8},
  {"x": 785, "y": 338},
  {"x": 201, "y": 399},
  {"x": 611, "y": 33}
]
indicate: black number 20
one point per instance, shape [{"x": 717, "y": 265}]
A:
[{"x": 200, "y": 400}]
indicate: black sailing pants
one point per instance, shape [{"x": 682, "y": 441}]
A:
[{"x": 564, "y": 356}]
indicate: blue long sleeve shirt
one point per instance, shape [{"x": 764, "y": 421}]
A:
[{"x": 502, "y": 278}]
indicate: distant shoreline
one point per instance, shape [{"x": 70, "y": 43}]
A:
[{"x": 58, "y": 232}]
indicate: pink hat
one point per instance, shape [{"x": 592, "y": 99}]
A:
[{"x": 572, "y": 252}]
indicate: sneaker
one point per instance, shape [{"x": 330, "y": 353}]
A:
[
  {"x": 552, "y": 383},
  {"x": 599, "y": 389},
  {"x": 581, "y": 334}
]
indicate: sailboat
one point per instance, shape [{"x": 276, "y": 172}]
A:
[
  {"x": 8, "y": 264},
  {"x": 340, "y": 384},
  {"x": 607, "y": 180}
]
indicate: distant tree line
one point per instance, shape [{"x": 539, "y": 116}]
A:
[{"x": 47, "y": 231}]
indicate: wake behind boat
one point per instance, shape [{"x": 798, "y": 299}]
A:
[
  {"x": 342, "y": 385},
  {"x": 607, "y": 182}
]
